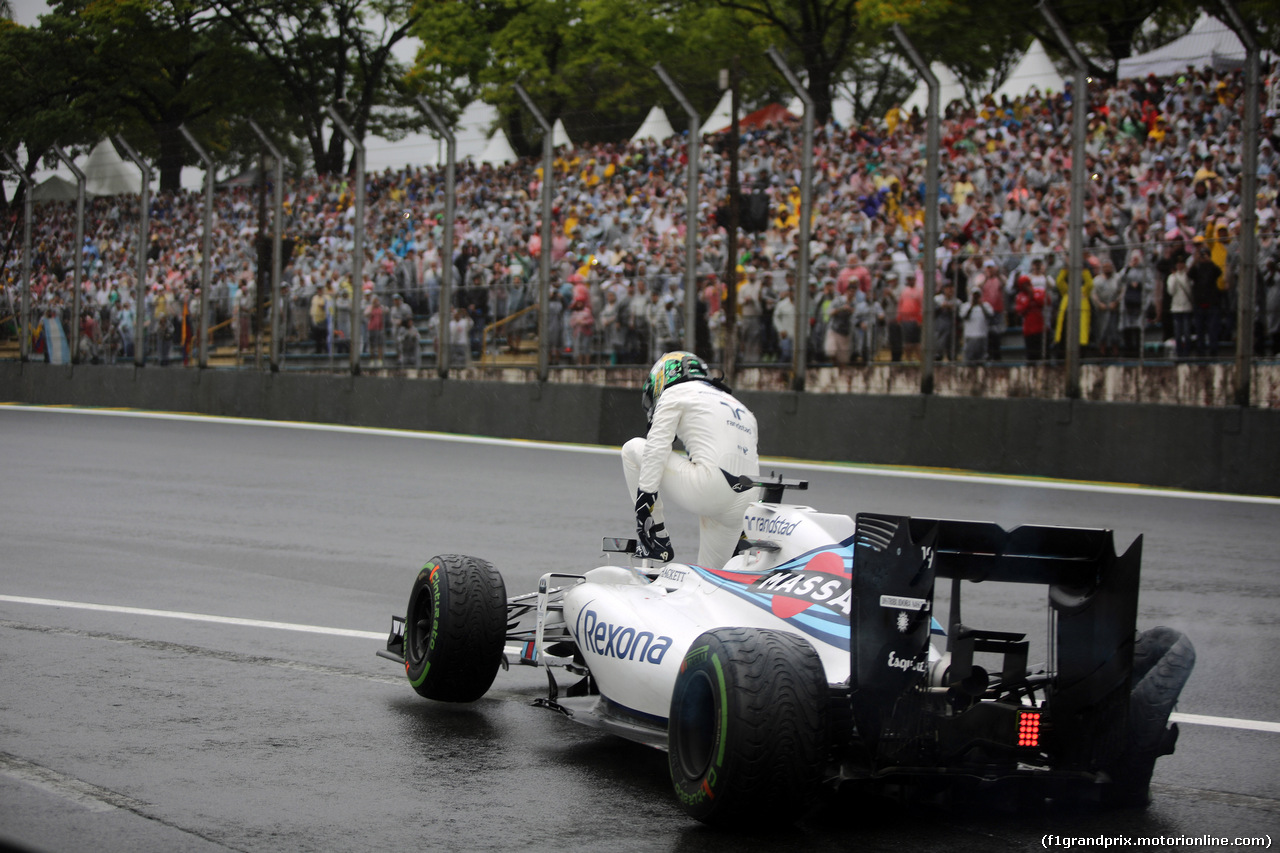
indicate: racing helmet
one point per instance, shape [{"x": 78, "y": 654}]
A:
[{"x": 671, "y": 369}]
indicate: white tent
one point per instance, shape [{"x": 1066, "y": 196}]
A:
[
  {"x": 476, "y": 124},
  {"x": 110, "y": 174},
  {"x": 471, "y": 135},
  {"x": 192, "y": 179},
  {"x": 949, "y": 89},
  {"x": 656, "y": 125},
  {"x": 722, "y": 116},
  {"x": 106, "y": 173},
  {"x": 55, "y": 188},
  {"x": 498, "y": 151},
  {"x": 1209, "y": 43},
  {"x": 415, "y": 149},
  {"x": 560, "y": 136},
  {"x": 1034, "y": 70}
]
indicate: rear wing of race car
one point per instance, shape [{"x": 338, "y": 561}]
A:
[{"x": 1092, "y": 597}]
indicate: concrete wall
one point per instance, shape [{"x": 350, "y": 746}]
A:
[{"x": 1201, "y": 448}]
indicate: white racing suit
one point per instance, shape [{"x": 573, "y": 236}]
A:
[{"x": 719, "y": 436}]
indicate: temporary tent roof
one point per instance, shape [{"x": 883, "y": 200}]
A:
[
  {"x": 249, "y": 177},
  {"x": 1034, "y": 70},
  {"x": 722, "y": 116},
  {"x": 55, "y": 188},
  {"x": 475, "y": 126},
  {"x": 656, "y": 125},
  {"x": 498, "y": 151},
  {"x": 1209, "y": 43},
  {"x": 560, "y": 136},
  {"x": 768, "y": 114},
  {"x": 106, "y": 173},
  {"x": 470, "y": 134},
  {"x": 414, "y": 149},
  {"x": 110, "y": 174},
  {"x": 949, "y": 89}
]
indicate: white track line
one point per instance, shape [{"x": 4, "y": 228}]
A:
[
  {"x": 196, "y": 617},
  {"x": 1194, "y": 719},
  {"x": 73, "y": 790},
  {"x": 789, "y": 464},
  {"x": 1225, "y": 722}
]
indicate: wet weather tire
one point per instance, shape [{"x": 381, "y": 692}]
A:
[
  {"x": 747, "y": 734},
  {"x": 455, "y": 628},
  {"x": 1162, "y": 662}
]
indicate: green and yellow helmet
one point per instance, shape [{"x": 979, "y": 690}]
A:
[{"x": 671, "y": 369}]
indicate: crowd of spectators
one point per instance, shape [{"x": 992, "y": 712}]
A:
[{"x": 1161, "y": 237}]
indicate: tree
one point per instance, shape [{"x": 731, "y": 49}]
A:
[
  {"x": 38, "y": 102},
  {"x": 822, "y": 36},
  {"x": 151, "y": 66},
  {"x": 980, "y": 41},
  {"x": 1105, "y": 31},
  {"x": 138, "y": 67},
  {"x": 587, "y": 62},
  {"x": 874, "y": 84},
  {"x": 331, "y": 53},
  {"x": 977, "y": 39}
]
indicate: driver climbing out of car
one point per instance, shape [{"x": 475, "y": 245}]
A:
[{"x": 712, "y": 479}]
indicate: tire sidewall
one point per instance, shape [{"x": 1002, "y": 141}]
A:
[
  {"x": 704, "y": 687},
  {"x": 1163, "y": 661},
  {"x": 431, "y": 584},
  {"x": 747, "y": 733}
]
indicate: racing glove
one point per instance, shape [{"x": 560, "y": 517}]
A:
[{"x": 652, "y": 541}]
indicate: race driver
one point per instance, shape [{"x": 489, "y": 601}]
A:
[{"x": 714, "y": 480}]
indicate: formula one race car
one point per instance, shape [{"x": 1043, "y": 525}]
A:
[{"x": 813, "y": 657}]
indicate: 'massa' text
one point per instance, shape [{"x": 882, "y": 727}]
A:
[{"x": 816, "y": 587}]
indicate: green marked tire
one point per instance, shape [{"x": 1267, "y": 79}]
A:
[
  {"x": 747, "y": 732},
  {"x": 455, "y": 628}
]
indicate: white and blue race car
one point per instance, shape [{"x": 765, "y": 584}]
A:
[{"x": 813, "y": 657}]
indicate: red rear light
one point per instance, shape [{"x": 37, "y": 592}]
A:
[{"x": 1028, "y": 728}]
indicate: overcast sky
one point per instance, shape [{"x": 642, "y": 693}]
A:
[{"x": 28, "y": 12}]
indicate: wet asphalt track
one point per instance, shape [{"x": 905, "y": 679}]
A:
[{"x": 136, "y": 731}]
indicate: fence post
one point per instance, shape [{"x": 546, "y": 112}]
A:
[
  {"x": 206, "y": 247},
  {"x": 1075, "y": 218},
  {"x": 933, "y": 145},
  {"x": 28, "y": 212},
  {"x": 77, "y": 274},
  {"x": 144, "y": 232},
  {"x": 446, "y": 250},
  {"x": 277, "y": 256},
  {"x": 799, "y": 355},
  {"x": 544, "y": 266},
  {"x": 693, "y": 147},
  {"x": 357, "y": 242},
  {"x": 1246, "y": 306}
]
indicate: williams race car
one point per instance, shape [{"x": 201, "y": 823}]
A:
[{"x": 813, "y": 657}]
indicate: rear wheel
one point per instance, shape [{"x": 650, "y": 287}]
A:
[
  {"x": 1162, "y": 663},
  {"x": 748, "y": 727},
  {"x": 455, "y": 628}
]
